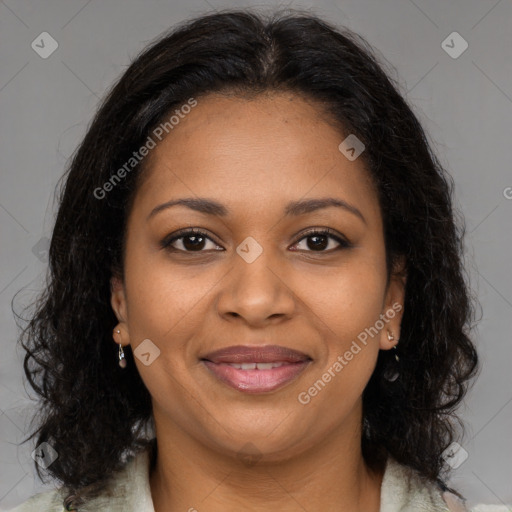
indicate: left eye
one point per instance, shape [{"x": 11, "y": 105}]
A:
[
  {"x": 193, "y": 241},
  {"x": 321, "y": 240}
]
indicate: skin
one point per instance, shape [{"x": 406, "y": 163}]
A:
[{"x": 254, "y": 156}]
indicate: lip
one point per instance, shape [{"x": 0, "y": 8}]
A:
[
  {"x": 256, "y": 354},
  {"x": 292, "y": 362}
]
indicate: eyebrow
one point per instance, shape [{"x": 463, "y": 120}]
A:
[{"x": 294, "y": 208}]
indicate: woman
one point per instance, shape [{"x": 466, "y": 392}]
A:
[{"x": 256, "y": 298}]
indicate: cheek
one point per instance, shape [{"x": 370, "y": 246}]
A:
[
  {"x": 359, "y": 299},
  {"x": 346, "y": 307},
  {"x": 352, "y": 310},
  {"x": 164, "y": 308},
  {"x": 346, "y": 300},
  {"x": 163, "y": 301}
]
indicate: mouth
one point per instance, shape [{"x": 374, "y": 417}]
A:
[{"x": 256, "y": 369}]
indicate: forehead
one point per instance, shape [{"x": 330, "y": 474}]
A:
[{"x": 269, "y": 149}]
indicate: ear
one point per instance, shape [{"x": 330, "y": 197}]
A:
[
  {"x": 393, "y": 307},
  {"x": 118, "y": 298},
  {"x": 119, "y": 305}
]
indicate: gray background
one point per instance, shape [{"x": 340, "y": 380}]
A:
[{"x": 465, "y": 104}]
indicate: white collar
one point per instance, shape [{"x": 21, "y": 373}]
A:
[{"x": 402, "y": 490}]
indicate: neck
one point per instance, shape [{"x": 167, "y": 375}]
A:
[{"x": 332, "y": 475}]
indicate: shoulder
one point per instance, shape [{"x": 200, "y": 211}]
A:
[
  {"x": 403, "y": 488},
  {"x": 456, "y": 505},
  {"x": 127, "y": 491},
  {"x": 49, "y": 501},
  {"x": 492, "y": 508}
]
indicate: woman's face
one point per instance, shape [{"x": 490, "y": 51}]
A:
[{"x": 256, "y": 278}]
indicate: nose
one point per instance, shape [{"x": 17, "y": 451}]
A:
[{"x": 257, "y": 291}]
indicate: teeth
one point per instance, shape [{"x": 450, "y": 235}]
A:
[
  {"x": 254, "y": 366},
  {"x": 268, "y": 366}
]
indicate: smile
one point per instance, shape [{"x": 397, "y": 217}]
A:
[{"x": 256, "y": 377}]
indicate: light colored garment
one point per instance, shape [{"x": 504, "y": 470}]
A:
[{"x": 403, "y": 490}]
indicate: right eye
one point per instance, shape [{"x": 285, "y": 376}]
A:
[{"x": 192, "y": 240}]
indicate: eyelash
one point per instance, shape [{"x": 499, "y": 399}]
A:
[{"x": 166, "y": 242}]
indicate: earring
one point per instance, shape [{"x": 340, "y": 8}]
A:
[
  {"x": 391, "y": 337},
  {"x": 122, "y": 359},
  {"x": 391, "y": 373}
]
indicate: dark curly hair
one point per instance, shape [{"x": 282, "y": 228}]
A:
[{"x": 94, "y": 412}]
